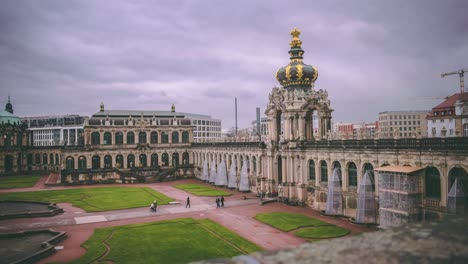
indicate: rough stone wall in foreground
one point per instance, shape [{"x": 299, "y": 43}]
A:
[{"x": 438, "y": 242}]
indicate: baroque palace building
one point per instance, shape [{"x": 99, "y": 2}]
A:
[{"x": 292, "y": 160}]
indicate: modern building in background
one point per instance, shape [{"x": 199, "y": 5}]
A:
[
  {"x": 449, "y": 118},
  {"x": 402, "y": 124},
  {"x": 55, "y": 130},
  {"x": 354, "y": 130},
  {"x": 263, "y": 127},
  {"x": 204, "y": 127}
]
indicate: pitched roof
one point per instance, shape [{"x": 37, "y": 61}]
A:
[{"x": 450, "y": 101}]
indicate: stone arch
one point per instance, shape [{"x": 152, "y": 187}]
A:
[
  {"x": 185, "y": 158},
  {"x": 51, "y": 159},
  {"x": 143, "y": 159},
  {"x": 154, "y": 160},
  {"x": 352, "y": 174},
  {"x": 323, "y": 171},
  {"x": 107, "y": 138},
  {"x": 95, "y": 138},
  {"x": 165, "y": 159},
  {"x": 82, "y": 163},
  {"x": 175, "y": 159},
  {"x": 96, "y": 162},
  {"x": 69, "y": 163},
  {"x": 311, "y": 166},
  {"x": 108, "y": 161},
  {"x": 432, "y": 183},
  {"x": 57, "y": 159},
  {"x": 44, "y": 159},
  {"x": 130, "y": 161},
  {"x": 37, "y": 158}
]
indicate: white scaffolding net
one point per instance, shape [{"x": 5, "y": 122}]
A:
[
  {"x": 244, "y": 177},
  {"x": 456, "y": 198},
  {"x": 334, "y": 198},
  {"x": 366, "y": 211},
  {"x": 205, "y": 174},
  {"x": 232, "y": 181},
  {"x": 221, "y": 176},
  {"x": 212, "y": 178}
]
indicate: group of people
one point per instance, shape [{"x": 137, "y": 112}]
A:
[{"x": 220, "y": 202}]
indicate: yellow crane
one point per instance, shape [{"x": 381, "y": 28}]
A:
[{"x": 460, "y": 73}]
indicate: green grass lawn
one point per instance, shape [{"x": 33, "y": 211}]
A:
[
  {"x": 11, "y": 182},
  {"x": 95, "y": 199},
  {"x": 321, "y": 232},
  {"x": 201, "y": 190},
  {"x": 172, "y": 241},
  {"x": 288, "y": 221}
]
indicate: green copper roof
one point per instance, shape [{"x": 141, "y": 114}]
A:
[{"x": 7, "y": 117}]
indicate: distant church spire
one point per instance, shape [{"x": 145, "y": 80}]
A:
[{"x": 9, "y": 106}]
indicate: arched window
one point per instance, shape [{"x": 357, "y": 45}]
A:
[
  {"x": 96, "y": 162},
  {"x": 130, "y": 138},
  {"x": 336, "y": 164},
  {"x": 44, "y": 158},
  {"x": 130, "y": 161},
  {"x": 82, "y": 163},
  {"x": 107, "y": 138},
  {"x": 323, "y": 171},
  {"x": 154, "y": 160},
  {"x": 95, "y": 138},
  {"x": 154, "y": 137},
  {"x": 311, "y": 170},
  {"x": 432, "y": 183},
  {"x": 143, "y": 160},
  {"x": 119, "y": 161},
  {"x": 164, "y": 138},
  {"x": 37, "y": 158},
  {"x": 185, "y": 137},
  {"x": 108, "y": 161},
  {"x": 70, "y": 163},
  {"x": 165, "y": 159},
  {"x": 51, "y": 159},
  {"x": 142, "y": 138},
  {"x": 175, "y": 159},
  {"x": 57, "y": 159},
  {"x": 185, "y": 158},
  {"x": 119, "y": 138},
  {"x": 175, "y": 137},
  {"x": 352, "y": 174}
]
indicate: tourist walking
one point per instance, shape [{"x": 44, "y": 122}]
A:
[
  {"x": 217, "y": 202},
  {"x": 222, "y": 201},
  {"x": 155, "y": 205},
  {"x": 188, "y": 202}
]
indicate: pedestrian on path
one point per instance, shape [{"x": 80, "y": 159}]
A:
[
  {"x": 155, "y": 205},
  {"x": 217, "y": 202},
  {"x": 222, "y": 201},
  {"x": 188, "y": 202}
]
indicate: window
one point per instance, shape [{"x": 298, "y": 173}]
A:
[
  {"x": 107, "y": 138},
  {"x": 451, "y": 132},
  {"x": 185, "y": 137},
  {"x": 154, "y": 160},
  {"x": 108, "y": 162},
  {"x": 352, "y": 174},
  {"x": 164, "y": 138},
  {"x": 465, "y": 130},
  {"x": 82, "y": 162},
  {"x": 95, "y": 138},
  {"x": 119, "y": 138},
  {"x": 175, "y": 137},
  {"x": 96, "y": 160},
  {"x": 154, "y": 137},
  {"x": 142, "y": 138},
  {"x": 70, "y": 163},
  {"x": 311, "y": 170},
  {"x": 130, "y": 161},
  {"x": 323, "y": 171},
  {"x": 130, "y": 138}
]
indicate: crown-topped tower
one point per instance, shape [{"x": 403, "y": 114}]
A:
[{"x": 296, "y": 74}]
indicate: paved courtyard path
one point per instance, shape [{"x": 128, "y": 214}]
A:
[{"x": 237, "y": 215}]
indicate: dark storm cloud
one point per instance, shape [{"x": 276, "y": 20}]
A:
[{"x": 68, "y": 56}]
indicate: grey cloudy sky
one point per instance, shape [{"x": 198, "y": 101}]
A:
[{"x": 63, "y": 57}]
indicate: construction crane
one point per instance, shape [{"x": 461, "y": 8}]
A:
[
  {"x": 428, "y": 98},
  {"x": 460, "y": 73}
]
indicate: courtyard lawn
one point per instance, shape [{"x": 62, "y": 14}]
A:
[
  {"x": 11, "y": 182},
  {"x": 321, "y": 232},
  {"x": 201, "y": 190},
  {"x": 95, "y": 199},
  {"x": 288, "y": 221},
  {"x": 172, "y": 241}
]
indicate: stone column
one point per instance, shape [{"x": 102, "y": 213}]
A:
[
  {"x": 124, "y": 138},
  {"x": 317, "y": 172},
  {"x": 344, "y": 177},
  {"x": 301, "y": 126}
]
